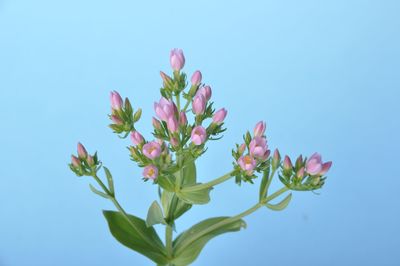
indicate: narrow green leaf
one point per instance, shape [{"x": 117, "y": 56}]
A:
[
  {"x": 139, "y": 237},
  {"x": 155, "y": 215},
  {"x": 188, "y": 245},
  {"x": 189, "y": 173},
  {"x": 180, "y": 208},
  {"x": 201, "y": 196},
  {"x": 281, "y": 205},
  {"x": 101, "y": 194},
  {"x": 109, "y": 179},
  {"x": 264, "y": 183},
  {"x": 166, "y": 182}
]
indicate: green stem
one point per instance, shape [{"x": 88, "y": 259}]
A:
[
  {"x": 234, "y": 218},
  {"x": 168, "y": 240},
  {"x": 210, "y": 184},
  {"x": 178, "y": 102}
]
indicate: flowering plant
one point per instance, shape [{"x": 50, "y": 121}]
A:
[{"x": 169, "y": 162}]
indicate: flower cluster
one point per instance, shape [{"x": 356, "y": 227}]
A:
[
  {"x": 84, "y": 164},
  {"x": 252, "y": 155}
]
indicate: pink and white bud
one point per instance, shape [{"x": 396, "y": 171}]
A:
[
  {"x": 325, "y": 168},
  {"x": 82, "y": 153},
  {"x": 172, "y": 124},
  {"x": 116, "y": 120},
  {"x": 300, "y": 173},
  {"x": 166, "y": 79},
  {"x": 196, "y": 78},
  {"x": 258, "y": 147},
  {"x": 151, "y": 150},
  {"x": 150, "y": 172},
  {"x": 199, "y": 105},
  {"x": 259, "y": 129},
  {"x": 242, "y": 148},
  {"x": 199, "y": 135},
  {"x": 116, "y": 100},
  {"x": 287, "y": 163},
  {"x": 90, "y": 160},
  {"x": 276, "y": 159},
  {"x": 182, "y": 119},
  {"x": 164, "y": 109},
  {"x": 177, "y": 59},
  {"x": 156, "y": 123},
  {"x": 136, "y": 138},
  {"x": 219, "y": 116},
  {"x": 206, "y": 92},
  {"x": 75, "y": 161},
  {"x": 247, "y": 163}
]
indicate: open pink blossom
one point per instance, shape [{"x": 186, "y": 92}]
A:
[
  {"x": 247, "y": 163},
  {"x": 150, "y": 172},
  {"x": 199, "y": 135},
  {"x": 177, "y": 59},
  {"x": 152, "y": 150},
  {"x": 258, "y": 147},
  {"x": 164, "y": 109},
  {"x": 315, "y": 166}
]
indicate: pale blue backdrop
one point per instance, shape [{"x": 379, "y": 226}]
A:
[{"x": 325, "y": 75}]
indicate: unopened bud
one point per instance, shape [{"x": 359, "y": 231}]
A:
[
  {"x": 82, "y": 153},
  {"x": 75, "y": 161}
]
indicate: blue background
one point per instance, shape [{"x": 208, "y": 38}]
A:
[{"x": 323, "y": 74}]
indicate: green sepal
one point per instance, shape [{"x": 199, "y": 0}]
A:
[
  {"x": 188, "y": 245},
  {"x": 281, "y": 205},
  {"x": 137, "y": 236},
  {"x": 155, "y": 215},
  {"x": 101, "y": 194}
]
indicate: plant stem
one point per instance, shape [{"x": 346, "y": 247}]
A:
[
  {"x": 168, "y": 240},
  {"x": 210, "y": 184}
]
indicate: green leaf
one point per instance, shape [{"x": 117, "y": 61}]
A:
[
  {"x": 155, "y": 215},
  {"x": 109, "y": 180},
  {"x": 198, "y": 196},
  {"x": 167, "y": 182},
  {"x": 189, "y": 172},
  {"x": 281, "y": 205},
  {"x": 264, "y": 183},
  {"x": 101, "y": 194},
  {"x": 188, "y": 245},
  {"x": 135, "y": 235},
  {"x": 180, "y": 208}
]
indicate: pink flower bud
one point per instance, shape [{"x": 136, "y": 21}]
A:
[
  {"x": 166, "y": 79},
  {"x": 150, "y": 172},
  {"x": 164, "y": 109},
  {"x": 82, "y": 153},
  {"x": 259, "y": 129},
  {"x": 152, "y": 150},
  {"x": 258, "y": 147},
  {"x": 206, "y": 92},
  {"x": 199, "y": 105},
  {"x": 300, "y": 173},
  {"x": 219, "y": 116},
  {"x": 172, "y": 124},
  {"x": 247, "y": 163},
  {"x": 182, "y": 119},
  {"x": 90, "y": 160},
  {"x": 199, "y": 135},
  {"x": 174, "y": 141},
  {"x": 276, "y": 158},
  {"x": 299, "y": 161},
  {"x": 75, "y": 161},
  {"x": 116, "y": 120},
  {"x": 287, "y": 163},
  {"x": 136, "y": 138},
  {"x": 156, "y": 123},
  {"x": 116, "y": 100},
  {"x": 325, "y": 168},
  {"x": 242, "y": 148},
  {"x": 177, "y": 59},
  {"x": 196, "y": 78}
]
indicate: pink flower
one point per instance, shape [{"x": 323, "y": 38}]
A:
[
  {"x": 82, "y": 153},
  {"x": 258, "y": 147},
  {"x": 150, "y": 172},
  {"x": 136, "y": 138},
  {"x": 199, "y": 105},
  {"x": 75, "y": 161},
  {"x": 172, "y": 124},
  {"x": 287, "y": 163},
  {"x": 196, "y": 78},
  {"x": 116, "y": 100},
  {"x": 164, "y": 109},
  {"x": 247, "y": 163},
  {"x": 199, "y": 135},
  {"x": 315, "y": 166},
  {"x": 177, "y": 59},
  {"x": 219, "y": 116},
  {"x": 182, "y": 119},
  {"x": 152, "y": 150},
  {"x": 116, "y": 120},
  {"x": 259, "y": 129},
  {"x": 205, "y": 91}
]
